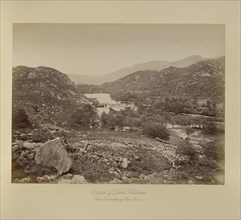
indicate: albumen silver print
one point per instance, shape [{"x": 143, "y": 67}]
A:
[{"x": 118, "y": 103}]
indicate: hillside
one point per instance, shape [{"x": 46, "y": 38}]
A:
[
  {"x": 204, "y": 79},
  {"x": 44, "y": 93},
  {"x": 153, "y": 65},
  {"x": 54, "y": 149}
]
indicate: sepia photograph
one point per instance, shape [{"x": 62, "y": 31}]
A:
[{"x": 118, "y": 104}]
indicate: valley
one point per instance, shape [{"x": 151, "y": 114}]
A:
[{"x": 148, "y": 127}]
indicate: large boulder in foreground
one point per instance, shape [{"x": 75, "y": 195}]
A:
[{"x": 53, "y": 154}]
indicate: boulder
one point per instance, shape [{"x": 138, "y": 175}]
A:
[
  {"x": 53, "y": 154},
  {"x": 124, "y": 162}
]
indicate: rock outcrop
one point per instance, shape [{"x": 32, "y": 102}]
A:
[{"x": 53, "y": 154}]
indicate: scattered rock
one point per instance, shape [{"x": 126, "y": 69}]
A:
[
  {"x": 53, "y": 154},
  {"x": 46, "y": 178}
]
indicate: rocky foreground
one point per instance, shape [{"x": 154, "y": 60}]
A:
[{"x": 97, "y": 156}]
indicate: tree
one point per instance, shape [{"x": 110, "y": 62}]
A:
[
  {"x": 104, "y": 119},
  {"x": 85, "y": 116},
  {"x": 119, "y": 119}
]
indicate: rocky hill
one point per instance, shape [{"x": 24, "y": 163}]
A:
[
  {"x": 204, "y": 80},
  {"x": 157, "y": 65},
  {"x": 45, "y": 94}
]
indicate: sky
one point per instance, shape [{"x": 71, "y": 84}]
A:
[{"x": 97, "y": 49}]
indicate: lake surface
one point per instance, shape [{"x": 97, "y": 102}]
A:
[
  {"x": 108, "y": 102},
  {"x": 102, "y": 98}
]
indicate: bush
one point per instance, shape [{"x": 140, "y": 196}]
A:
[
  {"x": 209, "y": 128},
  {"x": 20, "y": 119},
  {"x": 153, "y": 130},
  {"x": 212, "y": 129},
  {"x": 214, "y": 151}
]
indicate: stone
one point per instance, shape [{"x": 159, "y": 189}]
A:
[
  {"x": 53, "y": 154},
  {"x": 31, "y": 75},
  {"x": 124, "y": 163},
  {"x": 30, "y": 146},
  {"x": 19, "y": 143},
  {"x": 115, "y": 174},
  {"x": 136, "y": 157},
  {"x": 15, "y": 148},
  {"x": 77, "y": 179},
  {"x": 30, "y": 155},
  {"x": 15, "y": 152}
]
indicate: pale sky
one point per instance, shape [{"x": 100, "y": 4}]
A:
[{"x": 98, "y": 49}]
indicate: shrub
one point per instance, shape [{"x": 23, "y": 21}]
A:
[
  {"x": 153, "y": 130},
  {"x": 20, "y": 119},
  {"x": 214, "y": 151},
  {"x": 212, "y": 128}
]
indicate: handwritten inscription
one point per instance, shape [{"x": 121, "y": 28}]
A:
[{"x": 118, "y": 195}]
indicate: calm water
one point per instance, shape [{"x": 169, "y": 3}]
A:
[{"x": 102, "y": 98}]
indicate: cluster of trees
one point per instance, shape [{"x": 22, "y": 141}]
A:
[
  {"x": 112, "y": 120},
  {"x": 85, "y": 116},
  {"x": 184, "y": 105},
  {"x": 176, "y": 105},
  {"x": 120, "y": 119},
  {"x": 152, "y": 124}
]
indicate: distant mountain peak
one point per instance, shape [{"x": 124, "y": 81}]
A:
[
  {"x": 156, "y": 65},
  {"x": 203, "y": 79}
]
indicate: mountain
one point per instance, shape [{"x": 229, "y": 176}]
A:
[
  {"x": 203, "y": 79},
  {"x": 45, "y": 94},
  {"x": 153, "y": 65}
]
